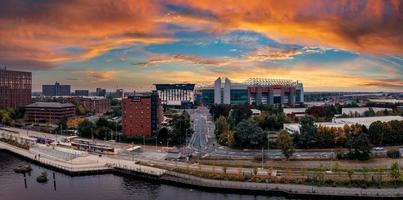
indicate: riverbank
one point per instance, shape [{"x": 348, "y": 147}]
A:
[{"x": 109, "y": 165}]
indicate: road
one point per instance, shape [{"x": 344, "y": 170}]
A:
[{"x": 204, "y": 141}]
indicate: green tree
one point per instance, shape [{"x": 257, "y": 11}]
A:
[
  {"x": 85, "y": 128},
  {"x": 359, "y": 146},
  {"x": 395, "y": 172},
  {"x": 61, "y": 125},
  {"x": 376, "y": 133},
  {"x": 306, "y": 138},
  {"x": 221, "y": 129},
  {"x": 5, "y": 118},
  {"x": 164, "y": 135},
  {"x": 285, "y": 143},
  {"x": 180, "y": 128},
  {"x": 248, "y": 134},
  {"x": 102, "y": 129}
]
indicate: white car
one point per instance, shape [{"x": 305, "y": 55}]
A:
[{"x": 378, "y": 148}]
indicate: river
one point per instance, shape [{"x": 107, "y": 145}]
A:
[{"x": 98, "y": 187}]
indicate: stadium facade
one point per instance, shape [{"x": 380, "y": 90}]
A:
[{"x": 257, "y": 91}]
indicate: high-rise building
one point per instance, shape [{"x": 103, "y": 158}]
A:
[
  {"x": 100, "y": 92},
  {"x": 141, "y": 114},
  {"x": 81, "y": 93},
  {"x": 56, "y": 90},
  {"x": 176, "y": 94},
  {"x": 15, "y": 88}
]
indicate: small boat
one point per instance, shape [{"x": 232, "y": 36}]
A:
[
  {"x": 23, "y": 169},
  {"x": 43, "y": 178}
]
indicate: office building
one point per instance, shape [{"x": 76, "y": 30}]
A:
[
  {"x": 56, "y": 90},
  {"x": 100, "y": 92},
  {"x": 118, "y": 94},
  {"x": 15, "y": 88},
  {"x": 229, "y": 93},
  {"x": 141, "y": 114},
  {"x": 176, "y": 94},
  {"x": 50, "y": 111},
  {"x": 81, "y": 93}
]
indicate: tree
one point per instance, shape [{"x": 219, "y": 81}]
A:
[
  {"x": 316, "y": 111},
  {"x": 248, "y": 134},
  {"x": 85, "y": 128},
  {"x": 81, "y": 110},
  {"x": 359, "y": 145},
  {"x": 325, "y": 137},
  {"x": 285, "y": 143},
  {"x": 395, "y": 172},
  {"x": 180, "y": 128},
  {"x": 218, "y": 110},
  {"x": 163, "y": 135},
  {"x": 61, "y": 125},
  {"x": 5, "y": 118},
  {"x": 221, "y": 129},
  {"x": 102, "y": 128},
  {"x": 73, "y": 122},
  {"x": 237, "y": 114},
  {"x": 306, "y": 138}
]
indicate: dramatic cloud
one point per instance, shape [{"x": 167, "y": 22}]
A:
[
  {"x": 241, "y": 39},
  {"x": 182, "y": 58},
  {"x": 366, "y": 26}
]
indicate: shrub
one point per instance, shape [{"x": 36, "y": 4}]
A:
[{"x": 393, "y": 153}]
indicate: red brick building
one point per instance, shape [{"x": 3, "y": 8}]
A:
[
  {"x": 50, "y": 111},
  {"x": 95, "y": 105},
  {"x": 15, "y": 88},
  {"x": 141, "y": 115}
]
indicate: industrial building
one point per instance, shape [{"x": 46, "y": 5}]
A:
[
  {"x": 50, "y": 111},
  {"x": 15, "y": 88},
  {"x": 180, "y": 95},
  {"x": 141, "y": 114},
  {"x": 341, "y": 122},
  {"x": 360, "y": 111},
  {"x": 56, "y": 90},
  {"x": 254, "y": 91}
]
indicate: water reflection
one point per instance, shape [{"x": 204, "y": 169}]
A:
[{"x": 100, "y": 187}]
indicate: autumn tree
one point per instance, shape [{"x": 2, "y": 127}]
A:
[{"x": 285, "y": 143}]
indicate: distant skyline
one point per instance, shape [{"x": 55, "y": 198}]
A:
[{"x": 329, "y": 45}]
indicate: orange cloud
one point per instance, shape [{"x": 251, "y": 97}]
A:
[
  {"x": 41, "y": 31},
  {"x": 373, "y": 26}
]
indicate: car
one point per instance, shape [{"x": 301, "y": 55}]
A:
[{"x": 378, "y": 148}]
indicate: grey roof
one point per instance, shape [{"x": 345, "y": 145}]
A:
[{"x": 50, "y": 105}]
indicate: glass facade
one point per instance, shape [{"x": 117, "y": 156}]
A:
[
  {"x": 239, "y": 96},
  {"x": 207, "y": 96}
]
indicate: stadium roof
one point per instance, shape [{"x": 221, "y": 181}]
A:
[{"x": 270, "y": 82}]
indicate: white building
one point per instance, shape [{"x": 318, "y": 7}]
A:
[
  {"x": 386, "y": 100},
  {"x": 340, "y": 122},
  {"x": 217, "y": 91},
  {"x": 361, "y": 110},
  {"x": 298, "y": 112}
]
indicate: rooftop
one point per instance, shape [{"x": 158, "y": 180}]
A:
[
  {"x": 270, "y": 82},
  {"x": 49, "y": 105}
]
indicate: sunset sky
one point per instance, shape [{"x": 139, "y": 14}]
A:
[{"x": 329, "y": 45}]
